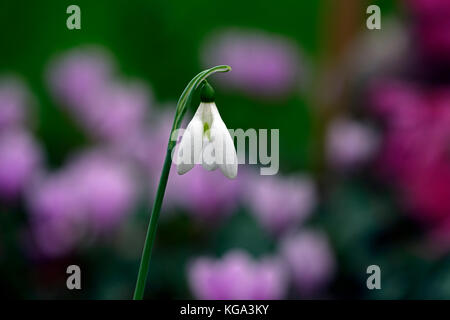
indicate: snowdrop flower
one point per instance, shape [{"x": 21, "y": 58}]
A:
[
  {"x": 206, "y": 134},
  {"x": 207, "y": 140}
]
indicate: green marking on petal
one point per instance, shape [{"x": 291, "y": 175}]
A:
[{"x": 206, "y": 130}]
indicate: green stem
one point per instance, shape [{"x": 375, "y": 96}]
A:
[
  {"x": 151, "y": 231},
  {"x": 182, "y": 105}
]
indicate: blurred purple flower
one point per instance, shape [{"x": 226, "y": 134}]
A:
[
  {"x": 415, "y": 148},
  {"x": 263, "y": 64},
  {"x": 76, "y": 76},
  {"x": 106, "y": 187},
  {"x": 14, "y": 101},
  {"x": 280, "y": 203},
  {"x": 20, "y": 157},
  {"x": 83, "y": 81},
  {"x": 116, "y": 110},
  {"x": 147, "y": 145},
  {"x": 58, "y": 216},
  {"x": 310, "y": 261},
  {"x": 350, "y": 143},
  {"x": 432, "y": 24},
  {"x": 208, "y": 196},
  {"x": 91, "y": 196},
  {"x": 237, "y": 276},
  {"x": 429, "y": 8}
]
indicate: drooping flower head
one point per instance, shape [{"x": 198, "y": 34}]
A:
[{"x": 207, "y": 140}]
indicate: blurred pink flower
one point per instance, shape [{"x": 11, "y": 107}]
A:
[
  {"x": 434, "y": 39},
  {"x": 58, "y": 217},
  {"x": 14, "y": 102},
  {"x": 116, "y": 110},
  {"x": 415, "y": 150},
  {"x": 350, "y": 143},
  {"x": 20, "y": 157},
  {"x": 207, "y": 195},
  {"x": 74, "y": 77},
  {"x": 237, "y": 276},
  {"x": 147, "y": 145},
  {"x": 429, "y": 8},
  {"x": 263, "y": 64},
  {"x": 106, "y": 187},
  {"x": 83, "y": 80},
  {"x": 432, "y": 23},
  {"x": 91, "y": 196},
  {"x": 310, "y": 260},
  {"x": 280, "y": 203},
  {"x": 438, "y": 240}
]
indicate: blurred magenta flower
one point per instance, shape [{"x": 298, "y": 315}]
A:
[
  {"x": 15, "y": 101},
  {"x": 432, "y": 25},
  {"x": 349, "y": 143},
  {"x": 430, "y": 6},
  {"x": 237, "y": 276},
  {"x": 438, "y": 240},
  {"x": 20, "y": 158},
  {"x": 415, "y": 150},
  {"x": 263, "y": 64},
  {"x": 310, "y": 260},
  {"x": 91, "y": 196},
  {"x": 280, "y": 203}
]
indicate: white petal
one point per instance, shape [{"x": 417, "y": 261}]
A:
[
  {"x": 225, "y": 152},
  {"x": 190, "y": 147},
  {"x": 208, "y": 155},
  {"x": 205, "y": 112}
]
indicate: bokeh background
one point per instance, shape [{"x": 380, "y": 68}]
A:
[{"x": 364, "y": 120}]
